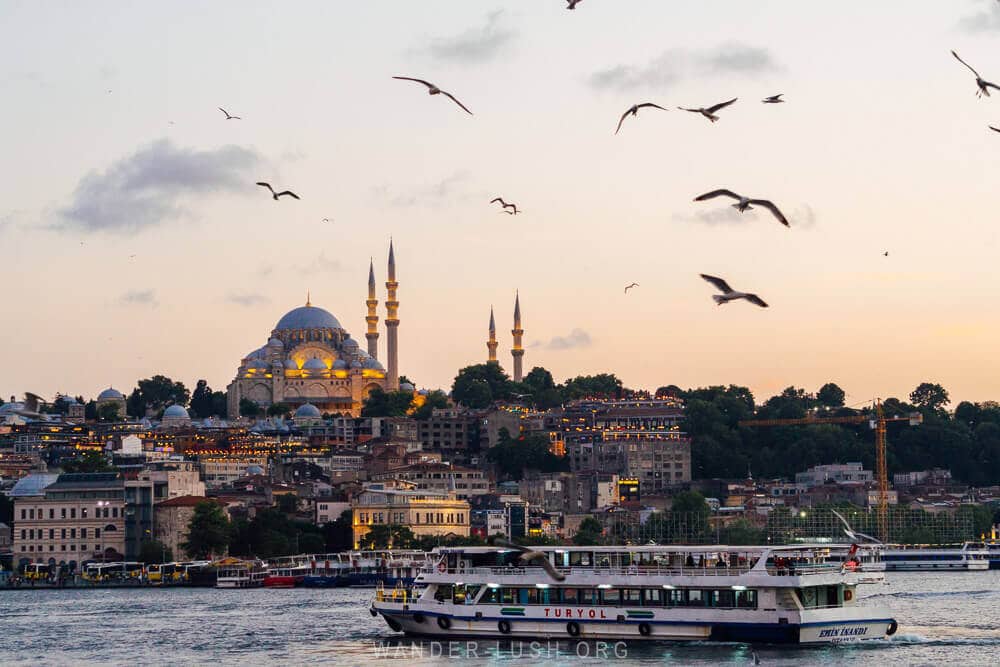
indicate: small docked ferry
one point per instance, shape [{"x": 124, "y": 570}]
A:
[
  {"x": 234, "y": 573},
  {"x": 969, "y": 556},
  {"x": 286, "y": 577},
  {"x": 703, "y": 593}
]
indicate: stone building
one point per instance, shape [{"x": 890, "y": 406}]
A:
[{"x": 401, "y": 504}]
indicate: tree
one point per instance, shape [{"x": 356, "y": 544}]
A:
[
  {"x": 603, "y": 385},
  {"x": 405, "y": 380},
  {"x": 339, "y": 534},
  {"x": 431, "y": 401},
  {"x": 930, "y": 396},
  {"x": 531, "y": 452},
  {"x": 248, "y": 408},
  {"x": 830, "y": 396},
  {"x": 153, "y": 551},
  {"x": 689, "y": 501},
  {"x": 387, "y": 536},
  {"x": 479, "y": 385},
  {"x": 220, "y": 404},
  {"x": 201, "y": 400},
  {"x": 90, "y": 411},
  {"x": 589, "y": 533},
  {"x": 209, "y": 531},
  {"x": 108, "y": 413},
  {"x": 87, "y": 462},
  {"x": 386, "y": 403},
  {"x": 134, "y": 405},
  {"x": 279, "y": 409},
  {"x": 742, "y": 532},
  {"x": 6, "y": 510},
  {"x": 288, "y": 503},
  {"x": 160, "y": 391}
]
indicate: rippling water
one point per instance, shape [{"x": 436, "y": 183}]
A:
[{"x": 943, "y": 618}]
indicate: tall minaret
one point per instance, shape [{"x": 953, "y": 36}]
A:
[
  {"x": 491, "y": 344},
  {"x": 391, "y": 324},
  {"x": 517, "y": 352},
  {"x": 372, "y": 318}
]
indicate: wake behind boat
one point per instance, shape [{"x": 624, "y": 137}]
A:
[{"x": 714, "y": 593}]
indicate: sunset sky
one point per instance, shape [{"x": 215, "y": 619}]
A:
[{"x": 113, "y": 146}]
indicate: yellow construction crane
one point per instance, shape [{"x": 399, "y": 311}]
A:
[{"x": 877, "y": 422}]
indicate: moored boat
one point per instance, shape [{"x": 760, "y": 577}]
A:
[
  {"x": 234, "y": 573},
  {"x": 966, "y": 557},
  {"x": 286, "y": 577},
  {"x": 704, "y": 593}
]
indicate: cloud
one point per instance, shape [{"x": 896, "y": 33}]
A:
[
  {"x": 674, "y": 65},
  {"x": 802, "y": 217},
  {"x": 246, "y": 298},
  {"x": 140, "y": 298},
  {"x": 434, "y": 194},
  {"x": 322, "y": 265},
  {"x": 576, "y": 338},
  {"x": 475, "y": 45},
  {"x": 148, "y": 187},
  {"x": 987, "y": 20}
]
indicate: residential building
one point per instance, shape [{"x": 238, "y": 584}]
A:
[
  {"x": 441, "y": 478},
  {"x": 173, "y": 523},
  {"x": 159, "y": 481},
  {"x": 221, "y": 471},
  {"x": 400, "y": 503},
  {"x": 837, "y": 473},
  {"x": 328, "y": 511}
]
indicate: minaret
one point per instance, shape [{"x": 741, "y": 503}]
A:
[
  {"x": 517, "y": 352},
  {"x": 391, "y": 324},
  {"x": 491, "y": 344},
  {"x": 372, "y": 318}
]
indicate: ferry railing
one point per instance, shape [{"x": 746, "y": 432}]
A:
[{"x": 640, "y": 571}]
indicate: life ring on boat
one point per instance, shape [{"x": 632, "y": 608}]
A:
[
  {"x": 504, "y": 627},
  {"x": 848, "y": 595},
  {"x": 573, "y": 629},
  {"x": 891, "y": 630},
  {"x": 420, "y": 618},
  {"x": 444, "y": 622},
  {"x": 645, "y": 630},
  {"x": 442, "y": 567}
]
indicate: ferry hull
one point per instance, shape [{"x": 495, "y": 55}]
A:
[{"x": 819, "y": 627}]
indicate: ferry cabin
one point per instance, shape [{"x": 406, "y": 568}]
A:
[
  {"x": 968, "y": 556},
  {"x": 756, "y": 594}
]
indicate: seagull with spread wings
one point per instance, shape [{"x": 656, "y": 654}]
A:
[
  {"x": 505, "y": 205},
  {"x": 729, "y": 294},
  {"x": 571, "y": 4},
  {"x": 530, "y": 556},
  {"x": 773, "y": 99},
  {"x": 434, "y": 90},
  {"x": 228, "y": 117},
  {"x": 628, "y": 287},
  {"x": 995, "y": 129},
  {"x": 709, "y": 112},
  {"x": 744, "y": 203},
  {"x": 274, "y": 194},
  {"x": 634, "y": 110},
  {"x": 981, "y": 83}
]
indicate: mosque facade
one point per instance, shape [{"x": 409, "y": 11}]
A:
[{"x": 311, "y": 359}]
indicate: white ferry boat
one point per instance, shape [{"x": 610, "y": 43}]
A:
[
  {"x": 969, "y": 556},
  {"x": 713, "y": 593},
  {"x": 240, "y": 574}
]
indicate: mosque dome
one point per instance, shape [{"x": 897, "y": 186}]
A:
[
  {"x": 110, "y": 394},
  {"x": 350, "y": 344},
  {"x": 308, "y": 411},
  {"x": 406, "y": 386},
  {"x": 356, "y": 364},
  {"x": 258, "y": 364},
  {"x": 308, "y": 317},
  {"x": 291, "y": 365},
  {"x": 314, "y": 364},
  {"x": 339, "y": 365},
  {"x": 176, "y": 412},
  {"x": 274, "y": 342},
  {"x": 373, "y": 364}
]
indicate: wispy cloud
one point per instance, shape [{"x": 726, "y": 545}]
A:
[
  {"x": 985, "y": 20},
  {"x": 433, "y": 194},
  {"x": 801, "y": 217},
  {"x": 139, "y": 298},
  {"x": 672, "y": 66},
  {"x": 475, "y": 45},
  {"x": 576, "y": 338},
  {"x": 148, "y": 187},
  {"x": 246, "y": 298},
  {"x": 322, "y": 264}
]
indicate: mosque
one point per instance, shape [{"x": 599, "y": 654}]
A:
[{"x": 312, "y": 364}]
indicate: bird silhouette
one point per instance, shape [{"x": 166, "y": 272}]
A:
[
  {"x": 886, "y": 253},
  {"x": 434, "y": 90},
  {"x": 729, "y": 294},
  {"x": 634, "y": 110},
  {"x": 981, "y": 83},
  {"x": 571, "y": 4},
  {"x": 995, "y": 129},
  {"x": 709, "y": 112},
  {"x": 533, "y": 557},
  {"x": 744, "y": 203},
  {"x": 628, "y": 287},
  {"x": 327, "y": 220},
  {"x": 773, "y": 99},
  {"x": 274, "y": 194},
  {"x": 505, "y": 205},
  {"x": 850, "y": 532},
  {"x": 228, "y": 117}
]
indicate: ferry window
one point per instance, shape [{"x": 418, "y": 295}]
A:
[
  {"x": 528, "y": 596},
  {"x": 492, "y": 596},
  {"x": 443, "y": 592},
  {"x": 696, "y": 598},
  {"x": 652, "y": 597},
  {"x": 548, "y": 595},
  {"x": 611, "y": 596},
  {"x": 507, "y": 595},
  {"x": 586, "y": 596},
  {"x": 746, "y": 599},
  {"x": 580, "y": 559},
  {"x": 808, "y": 596},
  {"x": 569, "y": 595},
  {"x": 632, "y": 596},
  {"x": 724, "y": 598}
]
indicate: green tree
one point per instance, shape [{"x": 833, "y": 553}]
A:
[
  {"x": 339, "y": 534},
  {"x": 160, "y": 391},
  {"x": 279, "y": 410},
  {"x": 433, "y": 400},
  {"x": 589, "y": 533},
  {"x": 209, "y": 531},
  {"x": 201, "y": 400},
  {"x": 742, "y": 532},
  {"x": 220, "y": 404},
  {"x": 387, "y": 536},
  {"x": 90, "y": 411},
  {"x": 830, "y": 396},
  {"x": 134, "y": 406},
  {"x": 386, "y": 403},
  {"x": 288, "y": 503},
  {"x": 530, "y": 452},
  {"x": 689, "y": 501},
  {"x": 108, "y": 413},
  {"x": 479, "y": 385},
  {"x": 248, "y": 408},
  {"x": 154, "y": 552},
  {"x": 602, "y": 385},
  {"x": 87, "y": 462},
  {"x": 930, "y": 396}
]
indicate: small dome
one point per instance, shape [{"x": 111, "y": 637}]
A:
[
  {"x": 68, "y": 400},
  {"x": 274, "y": 342},
  {"x": 356, "y": 364},
  {"x": 350, "y": 344},
  {"x": 308, "y": 317},
  {"x": 406, "y": 386},
  {"x": 291, "y": 365},
  {"x": 176, "y": 412},
  {"x": 314, "y": 364},
  {"x": 373, "y": 364},
  {"x": 308, "y": 411},
  {"x": 339, "y": 364},
  {"x": 110, "y": 394},
  {"x": 258, "y": 364}
]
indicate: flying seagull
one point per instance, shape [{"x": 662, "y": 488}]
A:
[
  {"x": 729, "y": 294},
  {"x": 513, "y": 212},
  {"x": 773, "y": 99},
  {"x": 995, "y": 129},
  {"x": 628, "y": 287},
  {"x": 505, "y": 205},
  {"x": 886, "y": 253},
  {"x": 571, "y": 4},
  {"x": 327, "y": 220},
  {"x": 634, "y": 110},
  {"x": 709, "y": 112},
  {"x": 434, "y": 90},
  {"x": 534, "y": 557},
  {"x": 228, "y": 117},
  {"x": 982, "y": 83},
  {"x": 277, "y": 194},
  {"x": 744, "y": 203},
  {"x": 851, "y": 533}
]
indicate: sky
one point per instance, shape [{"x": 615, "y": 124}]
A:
[{"x": 134, "y": 242}]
